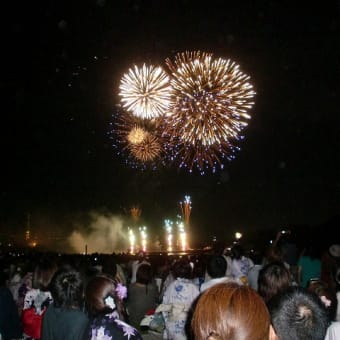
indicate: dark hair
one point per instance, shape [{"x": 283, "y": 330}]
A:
[
  {"x": 67, "y": 288},
  {"x": 109, "y": 266},
  {"x": 182, "y": 268},
  {"x": 273, "y": 279},
  {"x": 144, "y": 274},
  {"x": 43, "y": 273},
  {"x": 273, "y": 254},
  {"x": 217, "y": 266},
  {"x": 298, "y": 314},
  {"x": 97, "y": 290},
  {"x": 327, "y": 296},
  {"x": 336, "y": 274},
  {"x": 237, "y": 251},
  {"x": 257, "y": 257},
  {"x": 230, "y": 311}
]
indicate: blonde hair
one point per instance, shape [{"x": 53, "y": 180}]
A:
[{"x": 229, "y": 311}]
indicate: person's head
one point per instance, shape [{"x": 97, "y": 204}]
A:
[
  {"x": 217, "y": 266},
  {"x": 273, "y": 279},
  {"x": 229, "y": 311},
  {"x": 257, "y": 257},
  {"x": 326, "y": 295},
  {"x": 144, "y": 274},
  {"x": 182, "y": 269},
  {"x": 199, "y": 268},
  {"x": 67, "y": 288},
  {"x": 334, "y": 251},
  {"x": 109, "y": 266},
  {"x": 140, "y": 256},
  {"x": 101, "y": 296},
  {"x": 297, "y": 314},
  {"x": 237, "y": 251},
  {"x": 273, "y": 254},
  {"x": 43, "y": 273}
]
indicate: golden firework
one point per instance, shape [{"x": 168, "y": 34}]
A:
[
  {"x": 209, "y": 108},
  {"x": 136, "y": 135},
  {"x": 210, "y": 98},
  {"x": 145, "y": 91},
  {"x": 148, "y": 150}
]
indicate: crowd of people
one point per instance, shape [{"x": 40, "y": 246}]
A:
[{"x": 282, "y": 293}]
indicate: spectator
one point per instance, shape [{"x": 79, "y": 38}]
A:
[
  {"x": 274, "y": 254},
  {"x": 140, "y": 259},
  {"x": 309, "y": 265},
  {"x": 104, "y": 301},
  {"x": 216, "y": 269},
  {"x": 227, "y": 256},
  {"x": 253, "y": 274},
  {"x": 273, "y": 279},
  {"x": 10, "y": 327},
  {"x": 330, "y": 263},
  {"x": 297, "y": 314},
  {"x": 14, "y": 281},
  {"x": 198, "y": 273},
  {"x": 38, "y": 298},
  {"x": 326, "y": 295},
  {"x": 177, "y": 301},
  {"x": 240, "y": 263},
  {"x": 142, "y": 295},
  {"x": 286, "y": 242},
  {"x": 328, "y": 298},
  {"x": 230, "y": 311},
  {"x": 64, "y": 319}
]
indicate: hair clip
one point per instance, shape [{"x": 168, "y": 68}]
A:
[
  {"x": 121, "y": 291},
  {"x": 325, "y": 301},
  {"x": 109, "y": 301}
]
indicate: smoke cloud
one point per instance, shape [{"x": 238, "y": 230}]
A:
[{"x": 102, "y": 234}]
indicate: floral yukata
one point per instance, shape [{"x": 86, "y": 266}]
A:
[
  {"x": 109, "y": 327},
  {"x": 177, "y": 301},
  {"x": 35, "y": 305}
]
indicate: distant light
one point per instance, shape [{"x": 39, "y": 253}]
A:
[{"x": 238, "y": 235}]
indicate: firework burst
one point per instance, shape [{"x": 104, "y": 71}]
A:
[
  {"x": 145, "y": 91},
  {"x": 209, "y": 104},
  {"x": 137, "y": 141},
  {"x": 148, "y": 150},
  {"x": 136, "y": 135}
]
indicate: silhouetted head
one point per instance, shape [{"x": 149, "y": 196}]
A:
[
  {"x": 217, "y": 266},
  {"x": 101, "y": 296},
  {"x": 273, "y": 279},
  {"x": 297, "y": 314},
  {"x": 67, "y": 288}
]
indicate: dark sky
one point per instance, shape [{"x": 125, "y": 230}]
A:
[{"x": 62, "y": 62}]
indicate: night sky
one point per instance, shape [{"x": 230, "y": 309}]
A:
[{"x": 61, "y": 66}]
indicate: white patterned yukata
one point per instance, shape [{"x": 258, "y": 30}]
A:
[{"x": 177, "y": 301}]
